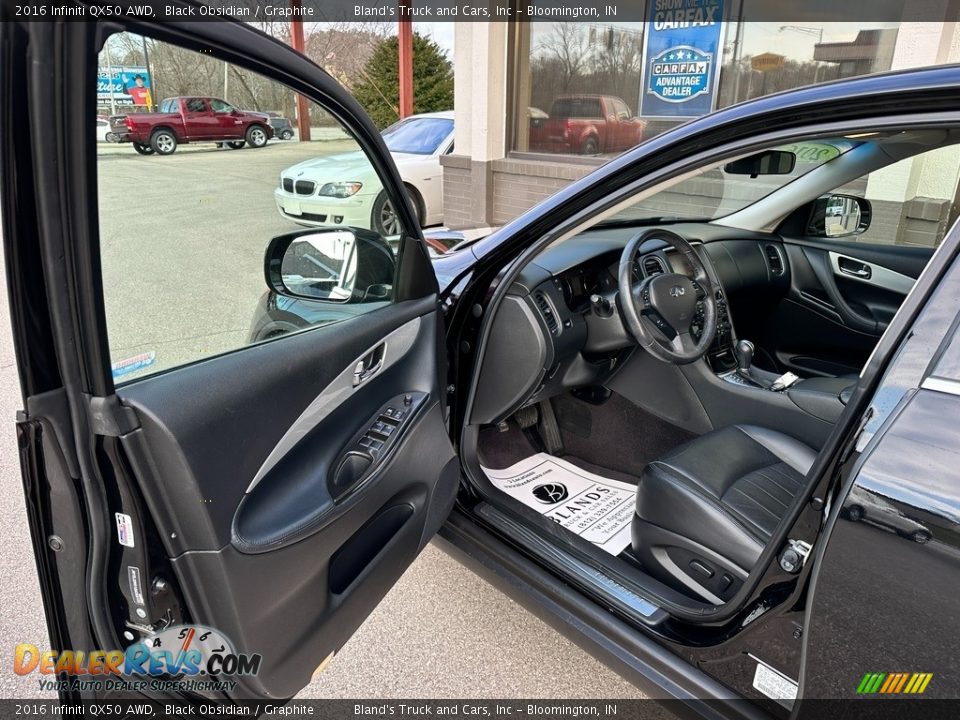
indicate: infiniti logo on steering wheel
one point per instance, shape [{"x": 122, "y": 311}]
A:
[{"x": 676, "y": 291}]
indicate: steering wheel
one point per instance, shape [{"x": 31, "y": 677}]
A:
[{"x": 659, "y": 310}]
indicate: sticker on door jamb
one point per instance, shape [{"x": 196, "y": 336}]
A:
[
  {"x": 124, "y": 530},
  {"x": 774, "y": 684}
]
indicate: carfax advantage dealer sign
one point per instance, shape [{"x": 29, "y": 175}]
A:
[{"x": 682, "y": 53}]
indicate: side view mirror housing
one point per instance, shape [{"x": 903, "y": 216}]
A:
[
  {"x": 332, "y": 264},
  {"x": 836, "y": 215}
]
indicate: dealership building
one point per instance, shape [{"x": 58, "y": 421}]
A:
[{"x": 520, "y": 87}]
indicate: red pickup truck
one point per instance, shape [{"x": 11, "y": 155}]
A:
[
  {"x": 191, "y": 119},
  {"x": 588, "y": 124}
]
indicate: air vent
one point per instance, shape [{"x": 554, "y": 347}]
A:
[
  {"x": 652, "y": 265},
  {"x": 774, "y": 260},
  {"x": 546, "y": 309}
]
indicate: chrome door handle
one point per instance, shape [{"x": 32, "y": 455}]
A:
[
  {"x": 854, "y": 267},
  {"x": 860, "y": 272},
  {"x": 369, "y": 365}
]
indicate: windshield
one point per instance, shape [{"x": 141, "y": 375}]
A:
[
  {"x": 418, "y": 136},
  {"x": 713, "y": 192}
]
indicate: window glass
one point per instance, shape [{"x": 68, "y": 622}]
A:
[
  {"x": 196, "y": 105},
  {"x": 220, "y": 106},
  {"x": 621, "y": 109},
  {"x": 183, "y": 237},
  {"x": 419, "y": 136},
  {"x": 672, "y": 74},
  {"x": 913, "y": 201},
  {"x": 715, "y": 192}
]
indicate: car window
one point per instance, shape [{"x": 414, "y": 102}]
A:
[
  {"x": 196, "y": 105},
  {"x": 621, "y": 109},
  {"x": 714, "y": 192},
  {"x": 912, "y": 202},
  {"x": 168, "y": 105},
  {"x": 576, "y": 108},
  {"x": 220, "y": 106},
  {"x": 183, "y": 237},
  {"x": 419, "y": 136}
]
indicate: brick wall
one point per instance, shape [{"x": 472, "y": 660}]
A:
[
  {"x": 477, "y": 194},
  {"x": 518, "y": 185},
  {"x": 457, "y": 187}
]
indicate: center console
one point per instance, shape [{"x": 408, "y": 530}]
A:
[{"x": 720, "y": 355}]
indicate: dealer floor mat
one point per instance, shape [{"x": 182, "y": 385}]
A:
[{"x": 596, "y": 508}]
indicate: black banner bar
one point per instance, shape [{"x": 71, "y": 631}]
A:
[{"x": 591, "y": 11}]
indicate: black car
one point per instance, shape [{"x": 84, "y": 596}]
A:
[
  {"x": 571, "y": 406},
  {"x": 282, "y": 127}
]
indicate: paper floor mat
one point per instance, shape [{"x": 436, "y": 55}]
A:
[{"x": 595, "y": 508}]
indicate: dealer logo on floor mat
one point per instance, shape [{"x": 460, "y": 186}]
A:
[{"x": 551, "y": 493}]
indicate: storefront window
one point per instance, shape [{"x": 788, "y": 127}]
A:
[{"x": 599, "y": 89}]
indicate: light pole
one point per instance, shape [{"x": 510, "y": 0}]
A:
[{"x": 405, "y": 59}]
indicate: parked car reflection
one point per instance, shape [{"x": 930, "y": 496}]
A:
[{"x": 863, "y": 505}]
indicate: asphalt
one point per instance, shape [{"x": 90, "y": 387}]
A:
[{"x": 441, "y": 632}]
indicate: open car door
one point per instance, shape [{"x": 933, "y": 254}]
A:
[{"x": 255, "y": 498}]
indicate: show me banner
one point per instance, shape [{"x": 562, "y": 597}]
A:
[{"x": 683, "y": 50}]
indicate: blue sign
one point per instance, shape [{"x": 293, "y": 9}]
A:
[
  {"x": 682, "y": 55},
  {"x": 126, "y": 85}
]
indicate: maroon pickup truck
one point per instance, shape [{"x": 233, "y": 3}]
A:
[
  {"x": 588, "y": 124},
  {"x": 191, "y": 119}
]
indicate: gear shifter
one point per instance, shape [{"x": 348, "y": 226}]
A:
[{"x": 744, "y": 352}]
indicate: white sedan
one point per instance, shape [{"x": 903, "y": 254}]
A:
[{"x": 342, "y": 189}]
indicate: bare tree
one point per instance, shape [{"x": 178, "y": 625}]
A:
[
  {"x": 568, "y": 44},
  {"x": 616, "y": 64}
]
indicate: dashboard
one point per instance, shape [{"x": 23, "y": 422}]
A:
[{"x": 559, "y": 326}]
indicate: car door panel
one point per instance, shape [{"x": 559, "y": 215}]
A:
[
  {"x": 274, "y": 559},
  {"x": 842, "y": 296},
  {"x": 226, "y": 469}
]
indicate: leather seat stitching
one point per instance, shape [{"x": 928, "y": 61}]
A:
[
  {"x": 796, "y": 483},
  {"x": 757, "y": 503},
  {"x": 762, "y": 489},
  {"x": 716, "y": 502},
  {"x": 781, "y": 458},
  {"x": 772, "y": 482}
]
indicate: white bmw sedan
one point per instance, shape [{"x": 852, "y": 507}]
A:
[{"x": 342, "y": 189}]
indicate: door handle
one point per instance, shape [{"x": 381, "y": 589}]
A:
[
  {"x": 369, "y": 365},
  {"x": 854, "y": 268}
]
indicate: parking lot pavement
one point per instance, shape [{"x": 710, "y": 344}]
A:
[{"x": 183, "y": 249}]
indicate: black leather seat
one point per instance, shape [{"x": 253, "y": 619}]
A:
[{"x": 706, "y": 510}]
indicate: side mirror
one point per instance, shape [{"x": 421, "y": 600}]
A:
[
  {"x": 834, "y": 216},
  {"x": 337, "y": 265},
  {"x": 768, "y": 162}
]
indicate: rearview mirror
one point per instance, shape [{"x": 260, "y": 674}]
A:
[
  {"x": 834, "y": 216},
  {"x": 768, "y": 162},
  {"x": 337, "y": 265}
]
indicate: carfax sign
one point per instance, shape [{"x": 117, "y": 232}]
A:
[{"x": 682, "y": 56}]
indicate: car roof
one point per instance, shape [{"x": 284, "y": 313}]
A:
[{"x": 446, "y": 114}]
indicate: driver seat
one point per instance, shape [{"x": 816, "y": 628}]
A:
[{"x": 706, "y": 510}]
